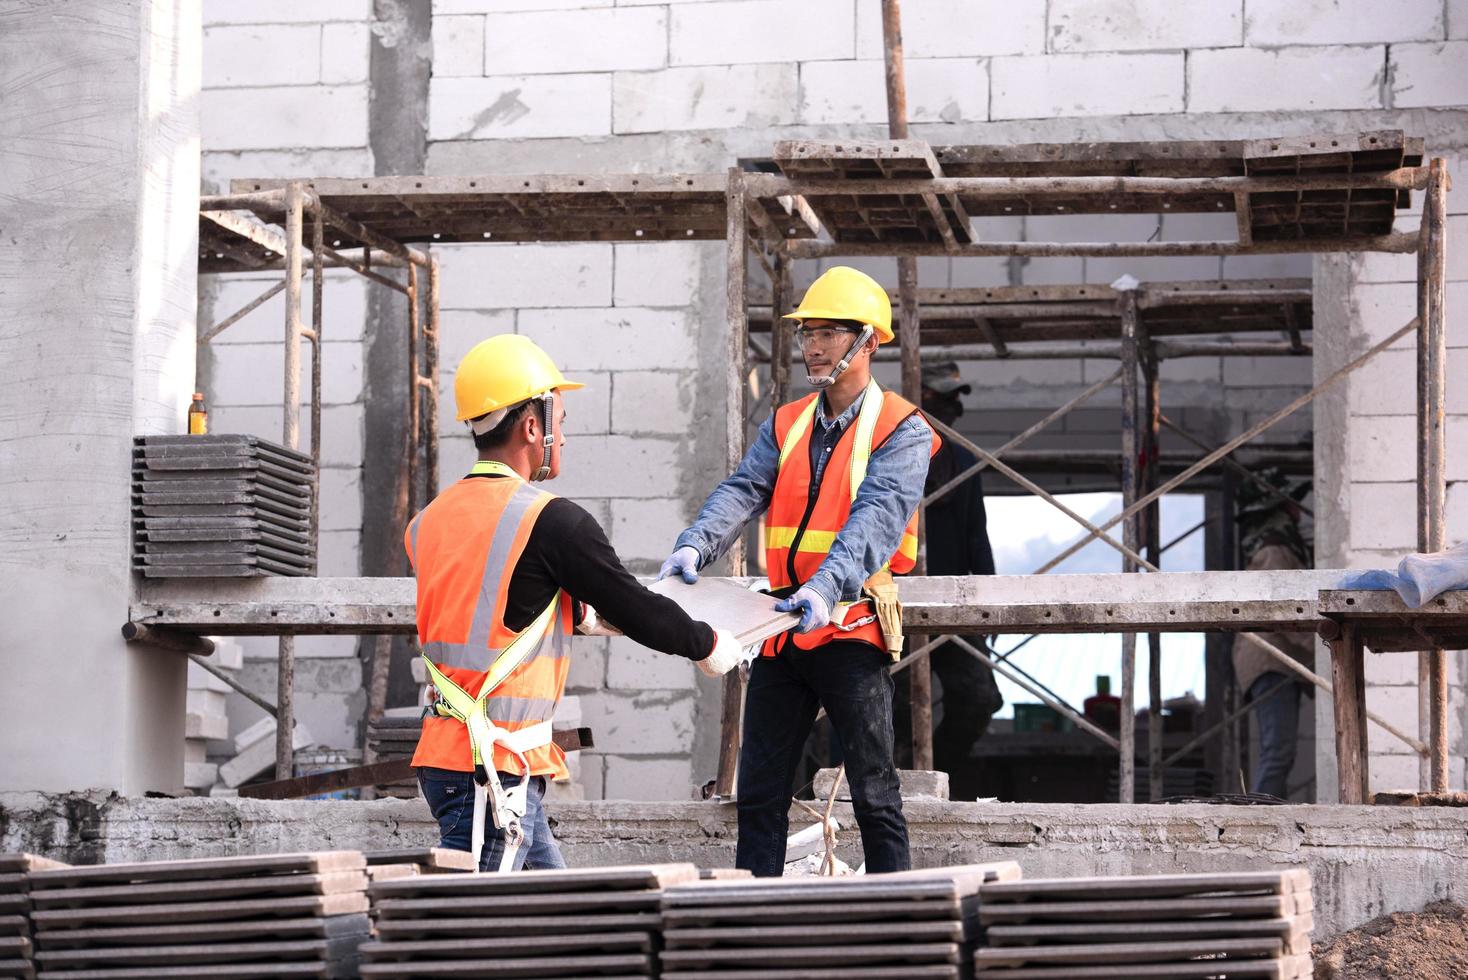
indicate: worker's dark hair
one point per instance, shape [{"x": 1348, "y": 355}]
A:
[
  {"x": 856, "y": 326},
  {"x": 500, "y": 434}
]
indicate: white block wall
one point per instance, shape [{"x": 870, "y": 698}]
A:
[{"x": 586, "y": 85}]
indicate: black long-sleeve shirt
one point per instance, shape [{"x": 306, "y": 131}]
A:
[{"x": 567, "y": 549}]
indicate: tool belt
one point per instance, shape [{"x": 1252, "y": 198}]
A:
[{"x": 881, "y": 588}]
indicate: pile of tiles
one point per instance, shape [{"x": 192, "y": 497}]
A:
[
  {"x": 408, "y": 862},
  {"x": 913, "y": 924},
  {"x": 1248, "y": 924},
  {"x": 221, "y": 506},
  {"x": 287, "y": 915},
  {"x": 593, "y": 922},
  {"x": 16, "y": 946},
  {"x": 394, "y": 735}
]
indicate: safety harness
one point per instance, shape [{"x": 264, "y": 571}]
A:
[{"x": 471, "y": 710}]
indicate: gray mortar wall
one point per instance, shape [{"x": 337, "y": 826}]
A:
[
  {"x": 1363, "y": 861},
  {"x": 532, "y": 86}
]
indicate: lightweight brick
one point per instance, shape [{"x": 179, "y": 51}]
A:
[
  {"x": 252, "y": 374},
  {"x": 289, "y": 118},
  {"x": 658, "y": 723},
  {"x": 338, "y": 554},
  {"x": 575, "y": 41},
  {"x": 343, "y": 308},
  {"x": 750, "y": 31},
  {"x": 656, "y": 274},
  {"x": 345, "y": 52},
  {"x": 643, "y": 531},
  {"x": 1253, "y": 80},
  {"x": 219, "y": 168},
  {"x": 588, "y": 665},
  {"x": 442, "y": 7},
  {"x": 459, "y": 330},
  {"x": 632, "y": 667},
  {"x": 1085, "y": 85},
  {"x": 956, "y": 28},
  {"x": 1457, "y": 14},
  {"x": 652, "y": 402},
  {"x": 285, "y": 11},
  {"x": 1277, "y": 23},
  {"x": 458, "y": 46},
  {"x": 946, "y": 90},
  {"x": 1267, "y": 372},
  {"x": 341, "y": 499},
  {"x": 1429, "y": 75},
  {"x": 713, "y": 97},
  {"x": 649, "y": 779},
  {"x": 262, "y": 55},
  {"x": 1383, "y": 515},
  {"x": 1382, "y": 448},
  {"x": 617, "y": 466},
  {"x": 1386, "y": 385},
  {"x": 341, "y": 427},
  {"x": 486, "y": 277},
  {"x": 618, "y": 338},
  {"x": 1143, "y": 25},
  {"x": 520, "y": 107}
]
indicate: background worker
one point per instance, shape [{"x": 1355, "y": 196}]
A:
[
  {"x": 505, "y": 571},
  {"x": 957, "y": 544},
  {"x": 841, "y": 473},
  {"x": 1270, "y": 539}
]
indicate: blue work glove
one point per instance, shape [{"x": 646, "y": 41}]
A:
[
  {"x": 814, "y": 613},
  {"x": 684, "y": 561}
]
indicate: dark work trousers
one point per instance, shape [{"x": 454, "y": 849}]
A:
[{"x": 851, "y": 681}]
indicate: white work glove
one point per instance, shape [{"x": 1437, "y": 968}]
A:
[
  {"x": 684, "y": 561},
  {"x": 725, "y": 656},
  {"x": 593, "y": 625},
  {"x": 814, "y": 613}
]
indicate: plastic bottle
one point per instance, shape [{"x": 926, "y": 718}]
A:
[
  {"x": 1103, "y": 707},
  {"x": 198, "y": 416}
]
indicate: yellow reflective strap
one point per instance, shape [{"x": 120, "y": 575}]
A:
[
  {"x": 521, "y": 647},
  {"x": 798, "y": 430},
  {"x": 493, "y": 467},
  {"x": 866, "y": 429},
  {"x": 811, "y": 540},
  {"x": 909, "y": 546}
]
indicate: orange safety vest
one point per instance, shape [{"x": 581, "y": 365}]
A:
[
  {"x": 803, "y": 522},
  {"x": 463, "y": 547}
]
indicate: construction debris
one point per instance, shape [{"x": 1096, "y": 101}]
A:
[{"x": 1427, "y": 945}]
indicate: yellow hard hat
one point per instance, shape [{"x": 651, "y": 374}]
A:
[
  {"x": 502, "y": 371},
  {"x": 844, "y": 293}
]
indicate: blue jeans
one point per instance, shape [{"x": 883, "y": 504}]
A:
[
  {"x": 1279, "y": 722},
  {"x": 450, "y": 798},
  {"x": 851, "y": 681}
]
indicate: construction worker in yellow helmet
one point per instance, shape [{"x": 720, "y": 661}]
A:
[
  {"x": 840, "y": 474},
  {"x": 506, "y": 572}
]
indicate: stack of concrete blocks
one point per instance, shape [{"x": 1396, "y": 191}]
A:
[
  {"x": 254, "y": 751},
  {"x": 208, "y": 716},
  {"x": 538, "y": 86}
]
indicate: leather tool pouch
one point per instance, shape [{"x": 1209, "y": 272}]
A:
[{"x": 881, "y": 588}]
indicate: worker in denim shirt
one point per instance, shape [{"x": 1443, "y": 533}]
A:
[{"x": 841, "y": 474}]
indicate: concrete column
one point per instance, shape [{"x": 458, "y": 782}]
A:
[{"x": 98, "y": 258}]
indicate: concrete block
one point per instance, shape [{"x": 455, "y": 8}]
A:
[
  {"x": 1384, "y": 515},
  {"x": 1277, "y": 23},
  {"x": 1296, "y": 266},
  {"x": 499, "y": 276},
  {"x": 660, "y": 274},
  {"x": 341, "y": 499},
  {"x": 343, "y": 308},
  {"x": 956, "y": 28},
  {"x": 711, "y": 97},
  {"x": 1045, "y": 86},
  {"x": 632, "y": 667},
  {"x": 658, "y": 723},
  {"x": 200, "y": 775},
  {"x": 1382, "y": 449},
  {"x": 554, "y": 42},
  {"x": 1389, "y": 669},
  {"x": 617, "y": 466},
  {"x": 1457, "y": 511},
  {"x": 252, "y": 374},
  {"x": 1457, "y": 19},
  {"x": 591, "y": 775},
  {"x": 203, "y": 702},
  {"x": 588, "y": 665},
  {"x": 285, "y": 11},
  {"x": 1143, "y": 25},
  {"x": 341, "y": 428},
  {"x": 612, "y": 339},
  {"x": 1429, "y": 75},
  {"x": 1373, "y": 267},
  {"x": 228, "y": 654},
  {"x": 338, "y": 554},
  {"x": 939, "y": 90},
  {"x": 259, "y": 754},
  {"x": 1190, "y": 370},
  {"x": 520, "y": 107},
  {"x": 1050, "y": 271},
  {"x": 1253, "y": 80},
  {"x": 262, "y": 55},
  {"x": 648, "y": 779},
  {"x": 220, "y": 167},
  {"x": 917, "y": 784},
  {"x": 325, "y": 116},
  {"x": 750, "y": 31},
  {"x": 1267, "y": 372},
  {"x": 644, "y": 530},
  {"x": 345, "y": 52},
  {"x": 1106, "y": 270},
  {"x": 460, "y": 330},
  {"x": 441, "y": 7},
  {"x": 458, "y": 46},
  {"x": 1385, "y": 385},
  {"x": 205, "y": 726},
  {"x": 652, "y": 401},
  {"x": 200, "y": 679},
  {"x": 1383, "y": 309}
]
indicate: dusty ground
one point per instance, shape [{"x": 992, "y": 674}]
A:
[{"x": 1427, "y": 945}]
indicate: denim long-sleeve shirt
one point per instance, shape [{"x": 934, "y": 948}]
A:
[{"x": 886, "y": 500}]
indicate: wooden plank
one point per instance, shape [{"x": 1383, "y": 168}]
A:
[
  {"x": 1149, "y": 886},
  {"x": 166, "y": 934},
  {"x": 1348, "y": 685},
  {"x": 547, "y": 927},
  {"x": 133, "y": 893},
  {"x": 1169, "y": 951},
  {"x": 571, "y": 880},
  {"x": 1263, "y": 907},
  {"x": 583, "y": 966},
  {"x": 162, "y": 914},
  {"x": 815, "y": 935},
  {"x": 781, "y": 957},
  {"x": 456, "y": 947}
]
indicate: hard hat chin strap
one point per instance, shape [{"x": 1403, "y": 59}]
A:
[
  {"x": 841, "y": 365},
  {"x": 547, "y": 441}
]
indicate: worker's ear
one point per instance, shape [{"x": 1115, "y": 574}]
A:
[{"x": 870, "y": 347}]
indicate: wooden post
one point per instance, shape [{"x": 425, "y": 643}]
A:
[
  {"x": 780, "y": 292},
  {"x": 431, "y": 373},
  {"x": 1432, "y": 442},
  {"x": 736, "y": 354},
  {"x": 1127, "y": 301},
  {"x": 291, "y": 436},
  {"x": 318, "y": 284},
  {"x": 415, "y": 391},
  {"x": 1348, "y": 686},
  {"x": 1152, "y": 520}
]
